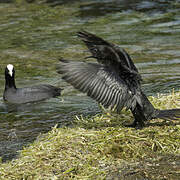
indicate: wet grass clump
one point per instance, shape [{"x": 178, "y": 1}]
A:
[{"x": 100, "y": 147}]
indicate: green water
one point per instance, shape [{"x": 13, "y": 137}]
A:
[{"x": 34, "y": 36}]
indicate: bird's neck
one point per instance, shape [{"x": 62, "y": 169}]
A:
[{"x": 10, "y": 82}]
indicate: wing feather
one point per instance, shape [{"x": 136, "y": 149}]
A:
[
  {"x": 108, "y": 53},
  {"x": 98, "y": 81}
]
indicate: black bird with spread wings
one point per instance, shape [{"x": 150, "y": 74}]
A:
[{"x": 114, "y": 82}]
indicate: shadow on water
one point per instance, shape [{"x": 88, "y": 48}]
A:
[
  {"x": 101, "y": 8},
  {"x": 6, "y": 1},
  {"x": 34, "y": 36},
  {"x": 94, "y": 8}
]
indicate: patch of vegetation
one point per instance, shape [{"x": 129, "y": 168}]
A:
[{"x": 99, "y": 147}]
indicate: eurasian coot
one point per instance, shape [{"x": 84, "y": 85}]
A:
[{"x": 26, "y": 94}]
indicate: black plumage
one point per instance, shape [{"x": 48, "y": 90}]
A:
[
  {"x": 26, "y": 94},
  {"x": 115, "y": 82}
]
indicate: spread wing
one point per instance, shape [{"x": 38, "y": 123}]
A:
[
  {"x": 108, "y": 53},
  {"x": 99, "y": 82}
]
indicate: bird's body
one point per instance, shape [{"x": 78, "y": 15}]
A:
[
  {"x": 114, "y": 82},
  {"x": 26, "y": 94}
]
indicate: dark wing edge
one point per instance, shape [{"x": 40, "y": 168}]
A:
[
  {"x": 89, "y": 39},
  {"x": 98, "y": 82},
  {"x": 108, "y": 53}
]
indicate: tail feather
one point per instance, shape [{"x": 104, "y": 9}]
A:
[{"x": 169, "y": 114}]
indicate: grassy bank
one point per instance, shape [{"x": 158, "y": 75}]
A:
[{"x": 100, "y": 147}]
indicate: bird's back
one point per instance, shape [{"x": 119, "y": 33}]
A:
[{"x": 31, "y": 94}]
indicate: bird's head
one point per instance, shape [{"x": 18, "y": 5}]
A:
[{"x": 10, "y": 70}]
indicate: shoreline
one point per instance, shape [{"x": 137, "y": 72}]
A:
[{"x": 100, "y": 147}]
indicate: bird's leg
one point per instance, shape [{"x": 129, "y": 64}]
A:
[{"x": 139, "y": 118}]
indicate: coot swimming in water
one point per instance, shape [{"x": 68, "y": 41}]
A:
[
  {"x": 26, "y": 94},
  {"x": 114, "y": 82}
]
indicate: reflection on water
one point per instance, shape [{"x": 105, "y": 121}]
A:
[
  {"x": 34, "y": 36},
  {"x": 100, "y": 8}
]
